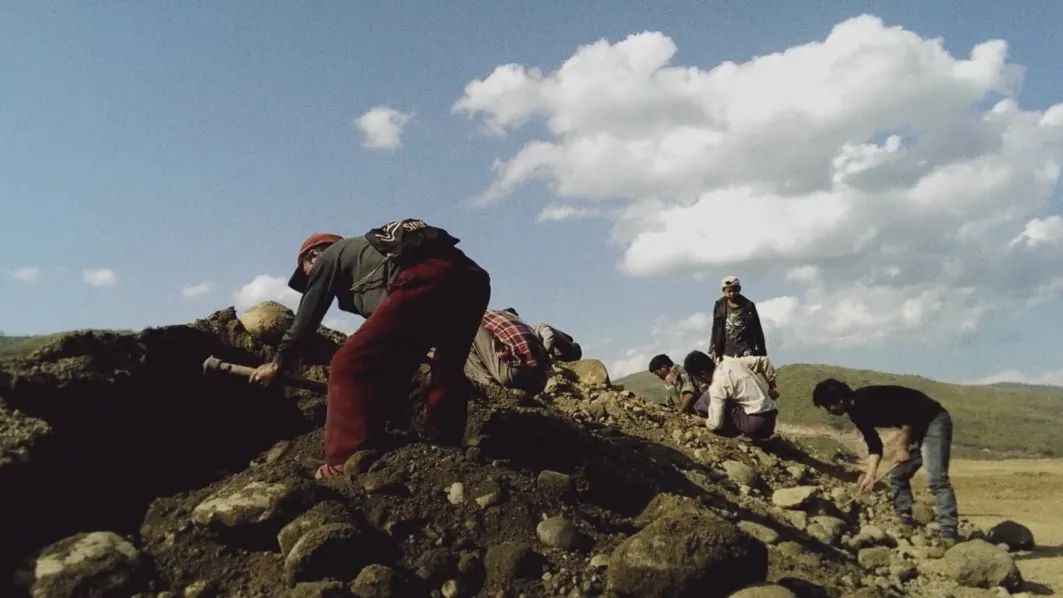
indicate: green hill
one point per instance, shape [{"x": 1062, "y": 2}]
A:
[
  {"x": 992, "y": 420},
  {"x": 17, "y": 346}
]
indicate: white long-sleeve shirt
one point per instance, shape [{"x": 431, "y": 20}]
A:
[{"x": 740, "y": 379}]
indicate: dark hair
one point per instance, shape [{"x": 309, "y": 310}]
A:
[
  {"x": 660, "y": 361},
  {"x": 699, "y": 365},
  {"x": 830, "y": 392},
  {"x": 512, "y": 311}
]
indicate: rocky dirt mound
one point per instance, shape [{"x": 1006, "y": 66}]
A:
[{"x": 130, "y": 473}]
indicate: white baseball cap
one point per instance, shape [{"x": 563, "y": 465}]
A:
[{"x": 730, "y": 281}]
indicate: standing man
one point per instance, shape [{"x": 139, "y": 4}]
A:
[
  {"x": 416, "y": 291},
  {"x": 507, "y": 351},
  {"x": 736, "y": 330},
  {"x": 741, "y": 395},
  {"x": 925, "y": 428},
  {"x": 682, "y": 392}
]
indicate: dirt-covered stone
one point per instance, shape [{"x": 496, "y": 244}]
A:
[
  {"x": 793, "y": 498},
  {"x": 336, "y": 550},
  {"x": 375, "y": 581},
  {"x": 92, "y": 564},
  {"x": 686, "y": 555},
  {"x": 321, "y": 514},
  {"x": 978, "y": 563}
]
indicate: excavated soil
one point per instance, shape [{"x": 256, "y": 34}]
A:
[{"x": 124, "y": 433}]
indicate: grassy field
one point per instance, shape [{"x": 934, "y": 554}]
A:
[
  {"x": 17, "y": 346},
  {"x": 999, "y": 420}
]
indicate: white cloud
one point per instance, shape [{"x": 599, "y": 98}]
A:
[
  {"x": 101, "y": 277},
  {"x": 343, "y": 322},
  {"x": 266, "y": 288},
  {"x": 873, "y": 163},
  {"x": 382, "y": 127},
  {"x": 196, "y": 290},
  {"x": 557, "y": 213},
  {"x": 633, "y": 360},
  {"x": 27, "y": 274},
  {"x": 1040, "y": 231},
  {"x": 1053, "y": 378}
]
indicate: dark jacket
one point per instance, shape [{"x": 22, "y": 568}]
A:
[
  {"x": 719, "y": 335},
  {"x": 335, "y": 272},
  {"x": 885, "y": 406}
]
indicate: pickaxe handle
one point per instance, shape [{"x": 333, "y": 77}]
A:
[
  {"x": 217, "y": 365},
  {"x": 881, "y": 477}
]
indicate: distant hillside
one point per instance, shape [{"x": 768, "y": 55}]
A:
[
  {"x": 16, "y": 346},
  {"x": 998, "y": 419}
]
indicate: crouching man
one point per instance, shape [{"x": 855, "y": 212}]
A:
[
  {"x": 925, "y": 439},
  {"x": 681, "y": 391},
  {"x": 741, "y": 394},
  {"x": 506, "y": 351}
]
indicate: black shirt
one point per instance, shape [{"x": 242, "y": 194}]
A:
[{"x": 891, "y": 407}]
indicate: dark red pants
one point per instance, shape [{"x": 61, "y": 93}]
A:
[{"x": 437, "y": 302}]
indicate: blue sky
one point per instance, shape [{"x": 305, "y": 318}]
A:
[{"x": 887, "y": 192}]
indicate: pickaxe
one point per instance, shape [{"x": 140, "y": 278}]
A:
[{"x": 214, "y": 364}]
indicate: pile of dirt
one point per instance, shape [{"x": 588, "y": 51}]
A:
[{"x": 145, "y": 477}]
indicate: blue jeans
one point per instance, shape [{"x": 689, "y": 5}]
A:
[{"x": 933, "y": 451}]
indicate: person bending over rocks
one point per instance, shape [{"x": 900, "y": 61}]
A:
[
  {"x": 741, "y": 395},
  {"x": 416, "y": 291},
  {"x": 925, "y": 439},
  {"x": 506, "y": 351},
  {"x": 682, "y": 392},
  {"x": 559, "y": 345}
]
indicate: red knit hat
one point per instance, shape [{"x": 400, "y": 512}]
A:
[{"x": 299, "y": 279}]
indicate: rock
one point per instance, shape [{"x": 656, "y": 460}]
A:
[
  {"x": 791, "y": 549},
  {"x": 359, "y": 462},
  {"x": 871, "y": 535},
  {"x": 873, "y": 558},
  {"x": 511, "y": 560},
  {"x": 764, "y": 591},
  {"x": 451, "y": 588},
  {"x": 798, "y": 472},
  {"x": 200, "y": 589},
  {"x": 385, "y": 482},
  {"x": 923, "y": 513},
  {"x": 267, "y": 321},
  {"x": 741, "y": 473},
  {"x": 556, "y": 484},
  {"x": 589, "y": 372},
  {"x": 826, "y": 529},
  {"x": 682, "y": 554},
  {"x": 978, "y": 563},
  {"x": 1016, "y": 535},
  {"x": 435, "y": 564},
  {"x": 375, "y": 581},
  {"x": 903, "y": 571},
  {"x": 319, "y": 589},
  {"x": 333, "y": 550},
  {"x": 456, "y": 493},
  {"x": 663, "y": 504},
  {"x": 87, "y": 564},
  {"x": 793, "y": 498},
  {"x": 321, "y": 514},
  {"x": 599, "y": 561},
  {"x": 761, "y": 532},
  {"x": 246, "y": 504},
  {"x": 798, "y": 519},
  {"x": 20, "y": 435},
  {"x": 491, "y": 499},
  {"x": 559, "y": 533}
]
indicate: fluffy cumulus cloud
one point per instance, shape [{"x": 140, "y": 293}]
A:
[
  {"x": 894, "y": 186},
  {"x": 266, "y": 288},
  {"x": 99, "y": 277},
  {"x": 196, "y": 290},
  {"x": 382, "y": 127},
  {"x": 27, "y": 274}
]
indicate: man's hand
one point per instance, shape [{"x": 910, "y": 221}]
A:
[
  {"x": 903, "y": 454},
  {"x": 867, "y": 483},
  {"x": 264, "y": 374},
  {"x": 773, "y": 391}
]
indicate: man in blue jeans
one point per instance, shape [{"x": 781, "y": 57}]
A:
[{"x": 925, "y": 439}]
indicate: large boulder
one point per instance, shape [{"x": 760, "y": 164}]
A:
[
  {"x": 323, "y": 513},
  {"x": 741, "y": 474},
  {"x": 1016, "y": 535},
  {"x": 686, "y": 554},
  {"x": 267, "y": 321},
  {"x": 333, "y": 551},
  {"x": 667, "y": 504},
  {"x": 511, "y": 560},
  {"x": 979, "y": 564},
  {"x": 589, "y": 372},
  {"x": 92, "y": 564}
]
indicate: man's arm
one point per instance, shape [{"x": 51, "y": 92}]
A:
[
  {"x": 686, "y": 402},
  {"x": 874, "y": 455},
  {"x": 717, "y": 398},
  {"x": 758, "y": 332},
  {"x": 759, "y": 364}
]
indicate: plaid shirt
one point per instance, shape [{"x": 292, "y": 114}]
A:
[{"x": 519, "y": 345}]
